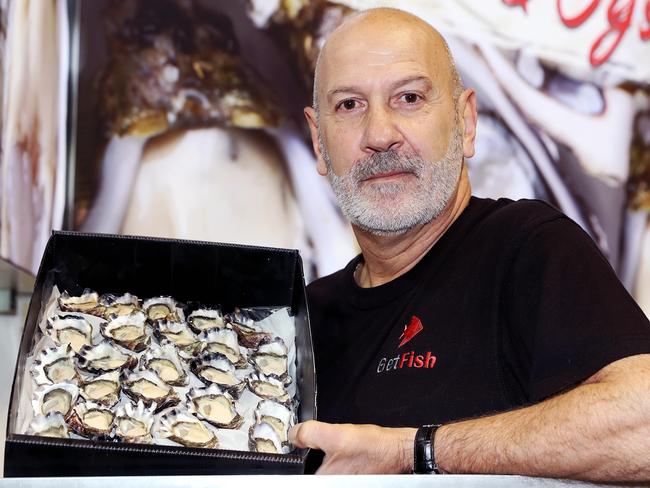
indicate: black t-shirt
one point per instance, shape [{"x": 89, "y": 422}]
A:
[{"x": 513, "y": 304}]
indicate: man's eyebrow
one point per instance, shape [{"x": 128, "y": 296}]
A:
[{"x": 393, "y": 86}]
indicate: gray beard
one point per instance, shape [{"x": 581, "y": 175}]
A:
[{"x": 395, "y": 207}]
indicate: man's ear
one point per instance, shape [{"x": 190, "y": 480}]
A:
[
  {"x": 467, "y": 106},
  {"x": 310, "y": 115}
]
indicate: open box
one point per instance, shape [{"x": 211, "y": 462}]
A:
[{"x": 231, "y": 275}]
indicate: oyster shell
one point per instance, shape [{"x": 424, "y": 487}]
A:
[
  {"x": 214, "y": 368},
  {"x": 104, "y": 389},
  {"x": 269, "y": 388},
  {"x": 55, "y": 398},
  {"x": 104, "y": 357},
  {"x": 204, "y": 319},
  {"x": 179, "y": 334},
  {"x": 166, "y": 363},
  {"x": 55, "y": 365},
  {"x": 70, "y": 329},
  {"x": 162, "y": 308},
  {"x": 262, "y": 437},
  {"x": 277, "y": 416},
  {"x": 250, "y": 334},
  {"x": 214, "y": 405},
  {"x": 92, "y": 419},
  {"x": 50, "y": 425},
  {"x": 223, "y": 341},
  {"x": 128, "y": 331},
  {"x": 87, "y": 302},
  {"x": 185, "y": 429},
  {"x": 133, "y": 423},
  {"x": 119, "y": 304},
  {"x": 270, "y": 359},
  {"x": 147, "y": 387}
]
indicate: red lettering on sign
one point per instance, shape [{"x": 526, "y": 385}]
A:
[
  {"x": 619, "y": 18},
  {"x": 578, "y": 20},
  {"x": 645, "y": 33},
  {"x": 517, "y": 3}
]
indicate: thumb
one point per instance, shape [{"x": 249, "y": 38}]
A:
[{"x": 307, "y": 434}]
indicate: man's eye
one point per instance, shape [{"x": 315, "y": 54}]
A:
[
  {"x": 348, "y": 104},
  {"x": 411, "y": 97}
]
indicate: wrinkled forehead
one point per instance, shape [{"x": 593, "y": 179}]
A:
[{"x": 380, "y": 50}]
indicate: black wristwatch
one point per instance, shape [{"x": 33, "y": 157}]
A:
[{"x": 424, "y": 460}]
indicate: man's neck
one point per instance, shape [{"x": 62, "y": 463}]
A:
[{"x": 387, "y": 257}]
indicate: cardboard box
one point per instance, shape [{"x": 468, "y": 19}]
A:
[{"x": 231, "y": 275}]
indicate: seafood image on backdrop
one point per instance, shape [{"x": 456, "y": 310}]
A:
[{"x": 108, "y": 369}]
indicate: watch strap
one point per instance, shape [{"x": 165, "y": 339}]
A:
[{"x": 424, "y": 460}]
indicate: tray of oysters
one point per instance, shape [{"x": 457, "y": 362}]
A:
[{"x": 154, "y": 371}]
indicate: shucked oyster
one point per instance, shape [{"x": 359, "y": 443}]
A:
[
  {"x": 55, "y": 365},
  {"x": 180, "y": 335},
  {"x": 55, "y": 398},
  {"x": 127, "y": 330},
  {"x": 214, "y": 405},
  {"x": 270, "y": 359},
  {"x": 269, "y": 388},
  {"x": 277, "y": 415},
  {"x": 50, "y": 425},
  {"x": 162, "y": 308},
  {"x": 104, "y": 357},
  {"x": 145, "y": 386},
  {"x": 185, "y": 429},
  {"x": 214, "y": 368},
  {"x": 119, "y": 304},
  {"x": 92, "y": 420},
  {"x": 104, "y": 389},
  {"x": 262, "y": 437},
  {"x": 223, "y": 341},
  {"x": 204, "y": 319},
  {"x": 133, "y": 424},
  {"x": 175, "y": 65},
  {"x": 166, "y": 363},
  {"x": 250, "y": 334},
  {"x": 69, "y": 329},
  {"x": 87, "y": 302}
]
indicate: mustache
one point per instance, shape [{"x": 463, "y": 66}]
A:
[{"x": 387, "y": 162}]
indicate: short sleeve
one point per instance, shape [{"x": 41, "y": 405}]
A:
[{"x": 567, "y": 314}]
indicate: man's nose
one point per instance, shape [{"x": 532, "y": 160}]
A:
[{"x": 381, "y": 131}]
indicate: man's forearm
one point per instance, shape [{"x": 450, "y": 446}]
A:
[{"x": 598, "y": 431}]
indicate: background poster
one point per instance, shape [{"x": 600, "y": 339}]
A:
[{"x": 185, "y": 120}]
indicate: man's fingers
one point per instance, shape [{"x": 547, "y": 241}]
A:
[{"x": 307, "y": 434}]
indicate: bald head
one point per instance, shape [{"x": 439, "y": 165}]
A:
[{"x": 365, "y": 26}]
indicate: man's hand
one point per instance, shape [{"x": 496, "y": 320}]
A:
[{"x": 357, "y": 449}]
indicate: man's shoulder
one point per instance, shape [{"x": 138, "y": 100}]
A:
[{"x": 323, "y": 287}]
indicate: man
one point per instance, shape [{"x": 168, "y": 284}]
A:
[{"x": 458, "y": 308}]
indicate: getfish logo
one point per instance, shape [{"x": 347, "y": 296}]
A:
[{"x": 408, "y": 359}]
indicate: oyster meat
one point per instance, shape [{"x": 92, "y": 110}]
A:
[
  {"x": 270, "y": 359},
  {"x": 263, "y": 437},
  {"x": 119, "y": 304},
  {"x": 223, "y": 341},
  {"x": 162, "y": 308},
  {"x": 104, "y": 357},
  {"x": 166, "y": 363},
  {"x": 133, "y": 423},
  {"x": 147, "y": 387},
  {"x": 214, "y": 405},
  {"x": 183, "y": 428},
  {"x": 250, "y": 334},
  {"x": 50, "y": 425},
  {"x": 92, "y": 420},
  {"x": 55, "y": 365},
  {"x": 60, "y": 398},
  {"x": 104, "y": 389},
  {"x": 269, "y": 388},
  {"x": 214, "y": 368},
  {"x": 70, "y": 329},
  {"x": 87, "y": 302},
  {"x": 179, "y": 334},
  {"x": 204, "y": 319},
  {"x": 277, "y": 416},
  {"x": 128, "y": 331}
]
